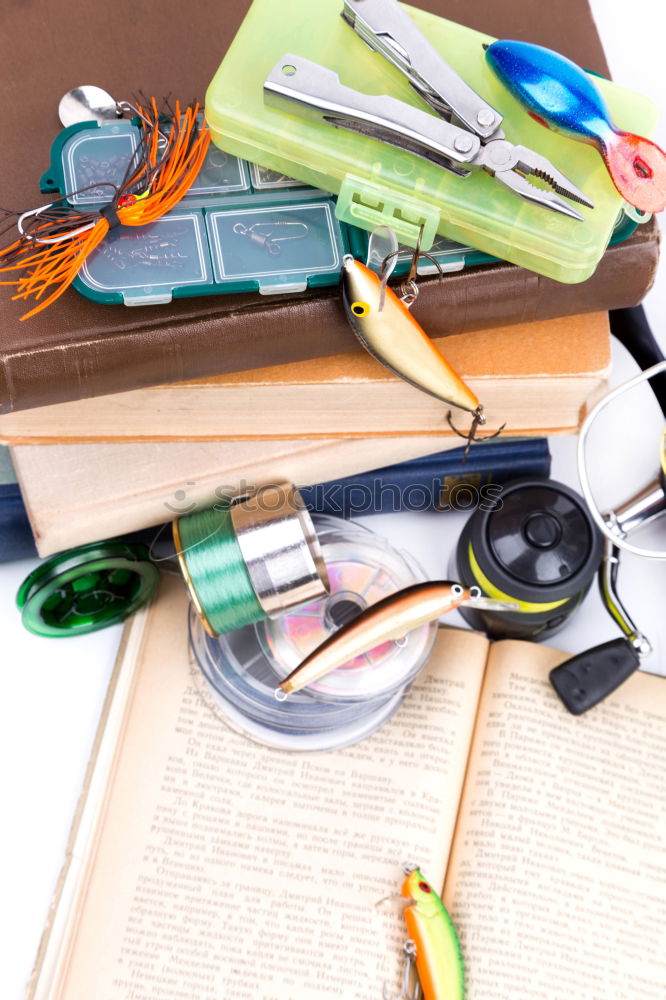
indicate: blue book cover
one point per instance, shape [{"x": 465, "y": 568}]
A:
[
  {"x": 16, "y": 541},
  {"x": 435, "y": 482}
]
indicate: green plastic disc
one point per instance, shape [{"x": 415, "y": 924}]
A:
[{"x": 87, "y": 589}]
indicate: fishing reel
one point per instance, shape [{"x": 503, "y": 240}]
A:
[{"x": 588, "y": 678}]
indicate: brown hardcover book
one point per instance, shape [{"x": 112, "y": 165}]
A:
[
  {"x": 532, "y": 377},
  {"x": 77, "y": 348}
]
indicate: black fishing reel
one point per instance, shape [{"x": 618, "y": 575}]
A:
[
  {"x": 546, "y": 555},
  {"x": 542, "y": 548},
  {"x": 545, "y": 546}
]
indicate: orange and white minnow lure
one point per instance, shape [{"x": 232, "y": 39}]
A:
[
  {"x": 389, "y": 619},
  {"x": 433, "y": 944}
]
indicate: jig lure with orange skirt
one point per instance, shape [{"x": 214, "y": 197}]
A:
[
  {"x": 54, "y": 240},
  {"x": 433, "y": 944},
  {"x": 388, "y": 331}
]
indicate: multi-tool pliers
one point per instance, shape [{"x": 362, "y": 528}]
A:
[{"x": 467, "y": 134}]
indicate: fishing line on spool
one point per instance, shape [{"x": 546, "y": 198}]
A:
[
  {"x": 236, "y": 673},
  {"x": 212, "y": 562},
  {"x": 253, "y": 557}
]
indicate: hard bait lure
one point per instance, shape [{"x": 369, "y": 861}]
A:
[
  {"x": 389, "y": 619},
  {"x": 433, "y": 943},
  {"x": 388, "y": 331},
  {"x": 391, "y": 334},
  {"x": 560, "y": 95}
]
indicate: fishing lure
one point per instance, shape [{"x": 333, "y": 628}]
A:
[
  {"x": 387, "y": 620},
  {"x": 560, "y": 95},
  {"x": 388, "y": 331},
  {"x": 55, "y": 239},
  {"x": 433, "y": 943}
]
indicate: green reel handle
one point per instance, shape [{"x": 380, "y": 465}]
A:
[{"x": 87, "y": 589}]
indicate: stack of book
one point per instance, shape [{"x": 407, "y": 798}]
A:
[
  {"x": 201, "y": 865},
  {"x": 116, "y": 415},
  {"x": 103, "y": 466}
]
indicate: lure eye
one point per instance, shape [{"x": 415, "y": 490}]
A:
[
  {"x": 360, "y": 309},
  {"x": 424, "y": 887}
]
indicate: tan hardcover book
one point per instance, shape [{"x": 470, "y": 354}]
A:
[
  {"x": 77, "y": 493},
  {"x": 205, "y": 866},
  {"x": 533, "y": 377}
]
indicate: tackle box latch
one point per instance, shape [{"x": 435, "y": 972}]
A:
[{"x": 365, "y": 204}]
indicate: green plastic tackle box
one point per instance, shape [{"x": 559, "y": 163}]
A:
[{"x": 377, "y": 184}]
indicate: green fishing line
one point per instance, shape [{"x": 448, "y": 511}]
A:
[{"x": 217, "y": 570}]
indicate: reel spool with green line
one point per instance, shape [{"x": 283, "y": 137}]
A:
[
  {"x": 251, "y": 558},
  {"x": 244, "y": 560}
]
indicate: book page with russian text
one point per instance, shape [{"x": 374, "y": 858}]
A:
[{"x": 557, "y": 878}]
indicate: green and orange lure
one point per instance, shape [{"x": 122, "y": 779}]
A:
[{"x": 433, "y": 944}]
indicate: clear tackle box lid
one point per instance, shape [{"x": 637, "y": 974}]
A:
[{"x": 239, "y": 228}]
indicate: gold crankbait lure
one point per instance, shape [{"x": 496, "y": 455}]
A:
[
  {"x": 389, "y": 619},
  {"x": 433, "y": 944},
  {"x": 391, "y": 334}
]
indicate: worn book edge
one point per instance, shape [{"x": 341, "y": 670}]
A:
[{"x": 52, "y": 954}]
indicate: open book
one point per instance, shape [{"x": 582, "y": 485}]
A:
[{"x": 204, "y": 867}]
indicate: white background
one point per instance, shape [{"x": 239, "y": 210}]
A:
[{"x": 52, "y": 690}]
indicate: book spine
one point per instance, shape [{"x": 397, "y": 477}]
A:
[
  {"x": 238, "y": 333},
  {"x": 436, "y": 482}
]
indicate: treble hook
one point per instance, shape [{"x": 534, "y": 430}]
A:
[
  {"x": 478, "y": 420},
  {"x": 409, "y": 289},
  {"x": 405, "y": 993}
]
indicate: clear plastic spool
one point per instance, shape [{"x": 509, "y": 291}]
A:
[{"x": 239, "y": 672}]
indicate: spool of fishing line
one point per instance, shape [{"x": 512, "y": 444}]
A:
[
  {"x": 237, "y": 672},
  {"x": 252, "y": 558}
]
